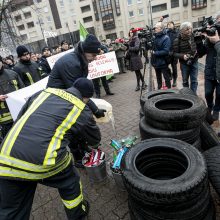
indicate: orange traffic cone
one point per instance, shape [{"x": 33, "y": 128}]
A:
[{"x": 163, "y": 86}]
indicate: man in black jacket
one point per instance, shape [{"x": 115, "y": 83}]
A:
[
  {"x": 27, "y": 159},
  {"x": 9, "y": 82},
  {"x": 74, "y": 65},
  {"x": 172, "y": 33},
  {"x": 44, "y": 65},
  {"x": 28, "y": 70}
]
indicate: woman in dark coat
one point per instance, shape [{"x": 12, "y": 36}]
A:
[{"x": 135, "y": 59}]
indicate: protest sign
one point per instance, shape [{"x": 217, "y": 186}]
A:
[
  {"x": 104, "y": 65},
  {"x": 53, "y": 59},
  {"x": 17, "y": 99}
]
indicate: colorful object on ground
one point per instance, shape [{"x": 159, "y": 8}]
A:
[
  {"x": 94, "y": 158},
  {"x": 120, "y": 148}
]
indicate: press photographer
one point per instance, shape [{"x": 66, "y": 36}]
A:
[
  {"x": 184, "y": 48},
  {"x": 160, "y": 50},
  {"x": 212, "y": 86}
]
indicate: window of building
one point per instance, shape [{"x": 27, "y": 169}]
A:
[
  {"x": 157, "y": 8},
  {"x": 49, "y": 19},
  {"x": 129, "y": 2},
  {"x": 195, "y": 24},
  {"x": 196, "y": 4},
  {"x": 139, "y": 1},
  {"x": 41, "y": 20},
  {"x": 141, "y": 11},
  {"x": 131, "y": 13},
  {"x": 112, "y": 36},
  {"x": 85, "y": 8},
  {"x": 24, "y": 37},
  {"x": 117, "y": 7},
  {"x": 95, "y": 9},
  {"x": 107, "y": 15},
  {"x": 21, "y": 27},
  {"x": 27, "y": 14},
  {"x": 174, "y": 3},
  {"x": 30, "y": 24},
  {"x": 87, "y": 19},
  {"x": 61, "y": 3},
  {"x": 18, "y": 18}
]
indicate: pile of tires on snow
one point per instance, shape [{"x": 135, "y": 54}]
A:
[{"x": 166, "y": 174}]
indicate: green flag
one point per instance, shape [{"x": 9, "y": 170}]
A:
[{"x": 82, "y": 32}]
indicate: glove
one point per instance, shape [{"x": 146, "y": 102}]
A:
[{"x": 100, "y": 113}]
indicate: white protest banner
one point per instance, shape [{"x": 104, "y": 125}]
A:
[
  {"x": 104, "y": 65},
  {"x": 52, "y": 59},
  {"x": 17, "y": 99}
]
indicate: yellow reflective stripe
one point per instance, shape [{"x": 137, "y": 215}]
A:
[
  {"x": 30, "y": 78},
  {"x": 15, "y": 84},
  {"x": 5, "y": 118},
  {"x": 70, "y": 204},
  {"x": 17, "y": 163},
  {"x": 55, "y": 142},
  {"x": 2, "y": 105},
  {"x": 10, "y": 172},
  {"x": 14, "y": 132},
  {"x": 67, "y": 96}
]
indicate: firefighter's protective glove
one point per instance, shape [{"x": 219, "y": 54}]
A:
[{"x": 100, "y": 113}]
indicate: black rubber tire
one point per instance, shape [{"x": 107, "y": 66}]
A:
[
  {"x": 186, "y": 90},
  {"x": 211, "y": 214},
  {"x": 175, "y": 112},
  {"x": 197, "y": 211},
  {"x": 141, "y": 113},
  {"x": 154, "y": 93},
  {"x": 208, "y": 137},
  {"x": 147, "y": 131},
  {"x": 180, "y": 159},
  {"x": 197, "y": 144},
  {"x": 213, "y": 163}
]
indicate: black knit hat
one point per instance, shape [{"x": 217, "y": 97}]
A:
[
  {"x": 85, "y": 87},
  {"x": 91, "y": 44},
  {"x": 64, "y": 42},
  {"x": 21, "y": 50},
  {"x": 45, "y": 48}
]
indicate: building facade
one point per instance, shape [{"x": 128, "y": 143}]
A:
[{"x": 34, "y": 20}]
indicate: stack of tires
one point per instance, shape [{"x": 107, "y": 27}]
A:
[
  {"x": 167, "y": 179},
  {"x": 173, "y": 115}
]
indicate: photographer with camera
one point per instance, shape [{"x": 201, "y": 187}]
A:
[
  {"x": 160, "y": 50},
  {"x": 172, "y": 33},
  {"x": 211, "y": 80},
  {"x": 184, "y": 48}
]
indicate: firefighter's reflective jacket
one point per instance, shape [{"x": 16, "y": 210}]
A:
[
  {"x": 28, "y": 71},
  {"x": 36, "y": 146},
  {"x": 9, "y": 82}
]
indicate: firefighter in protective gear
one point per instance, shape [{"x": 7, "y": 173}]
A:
[
  {"x": 28, "y": 70},
  {"x": 55, "y": 115},
  {"x": 9, "y": 82}
]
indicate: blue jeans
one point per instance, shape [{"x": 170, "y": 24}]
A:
[
  {"x": 192, "y": 72},
  {"x": 212, "y": 86}
]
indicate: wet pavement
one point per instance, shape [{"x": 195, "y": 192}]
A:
[{"x": 107, "y": 201}]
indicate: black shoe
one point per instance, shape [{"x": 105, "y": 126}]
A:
[
  {"x": 174, "y": 83},
  {"x": 144, "y": 86},
  {"x": 113, "y": 77},
  {"x": 124, "y": 72},
  {"x": 86, "y": 206},
  {"x": 137, "y": 88},
  {"x": 109, "y": 93}
]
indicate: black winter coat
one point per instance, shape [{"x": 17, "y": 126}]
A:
[
  {"x": 217, "y": 47},
  {"x": 45, "y": 66},
  {"x": 28, "y": 71},
  {"x": 161, "y": 48},
  {"x": 68, "y": 68},
  {"x": 135, "y": 58}
]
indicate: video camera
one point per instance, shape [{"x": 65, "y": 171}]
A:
[
  {"x": 146, "y": 36},
  {"x": 209, "y": 26}
]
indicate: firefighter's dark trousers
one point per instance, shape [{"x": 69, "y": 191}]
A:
[{"x": 16, "y": 197}]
